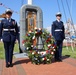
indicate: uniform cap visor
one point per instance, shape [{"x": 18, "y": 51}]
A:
[
  {"x": 58, "y": 15},
  {"x": 9, "y": 12}
]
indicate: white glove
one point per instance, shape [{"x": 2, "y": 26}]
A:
[{"x": 1, "y": 40}]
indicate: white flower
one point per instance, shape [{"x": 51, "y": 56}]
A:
[
  {"x": 39, "y": 28},
  {"x": 27, "y": 48},
  {"x": 23, "y": 44},
  {"x": 49, "y": 45},
  {"x": 35, "y": 58},
  {"x": 54, "y": 49},
  {"x": 38, "y": 52},
  {"x": 35, "y": 28},
  {"x": 43, "y": 52},
  {"x": 32, "y": 53},
  {"x": 33, "y": 37},
  {"x": 52, "y": 52},
  {"x": 29, "y": 31},
  {"x": 42, "y": 58},
  {"x": 31, "y": 45},
  {"x": 35, "y": 32},
  {"x": 47, "y": 59}
]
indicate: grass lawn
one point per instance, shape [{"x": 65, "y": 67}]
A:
[
  {"x": 69, "y": 52},
  {"x": 65, "y": 52}
]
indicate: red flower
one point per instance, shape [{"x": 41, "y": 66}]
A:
[
  {"x": 47, "y": 41},
  {"x": 54, "y": 46},
  {"x": 45, "y": 58},
  {"x": 26, "y": 34},
  {"x": 47, "y": 51},
  {"x": 23, "y": 41},
  {"x": 42, "y": 53},
  {"x": 40, "y": 33},
  {"x": 49, "y": 45}
]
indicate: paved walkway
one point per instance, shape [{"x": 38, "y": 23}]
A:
[{"x": 24, "y": 67}]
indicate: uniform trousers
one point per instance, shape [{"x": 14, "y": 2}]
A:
[
  {"x": 9, "y": 47},
  {"x": 58, "y": 53}
]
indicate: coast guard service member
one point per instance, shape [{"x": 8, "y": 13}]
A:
[
  {"x": 59, "y": 35},
  {"x": 8, "y": 31}
]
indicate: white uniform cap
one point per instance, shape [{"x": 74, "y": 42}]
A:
[
  {"x": 8, "y": 10},
  {"x": 58, "y": 14}
]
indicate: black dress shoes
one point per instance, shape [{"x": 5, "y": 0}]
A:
[
  {"x": 58, "y": 60},
  {"x": 7, "y": 65},
  {"x": 11, "y": 65}
]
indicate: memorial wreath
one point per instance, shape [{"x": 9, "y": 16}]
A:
[{"x": 36, "y": 55}]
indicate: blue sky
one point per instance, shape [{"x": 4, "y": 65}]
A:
[{"x": 49, "y": 8}]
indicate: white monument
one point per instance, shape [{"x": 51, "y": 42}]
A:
[{"x": 26, "y": 11}]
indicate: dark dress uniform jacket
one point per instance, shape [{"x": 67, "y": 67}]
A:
[
  {"x": 58, "y": 30},
  {"x": 8, "y": 36}
]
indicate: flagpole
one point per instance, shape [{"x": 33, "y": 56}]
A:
[{"x": 29, "y": 2}]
